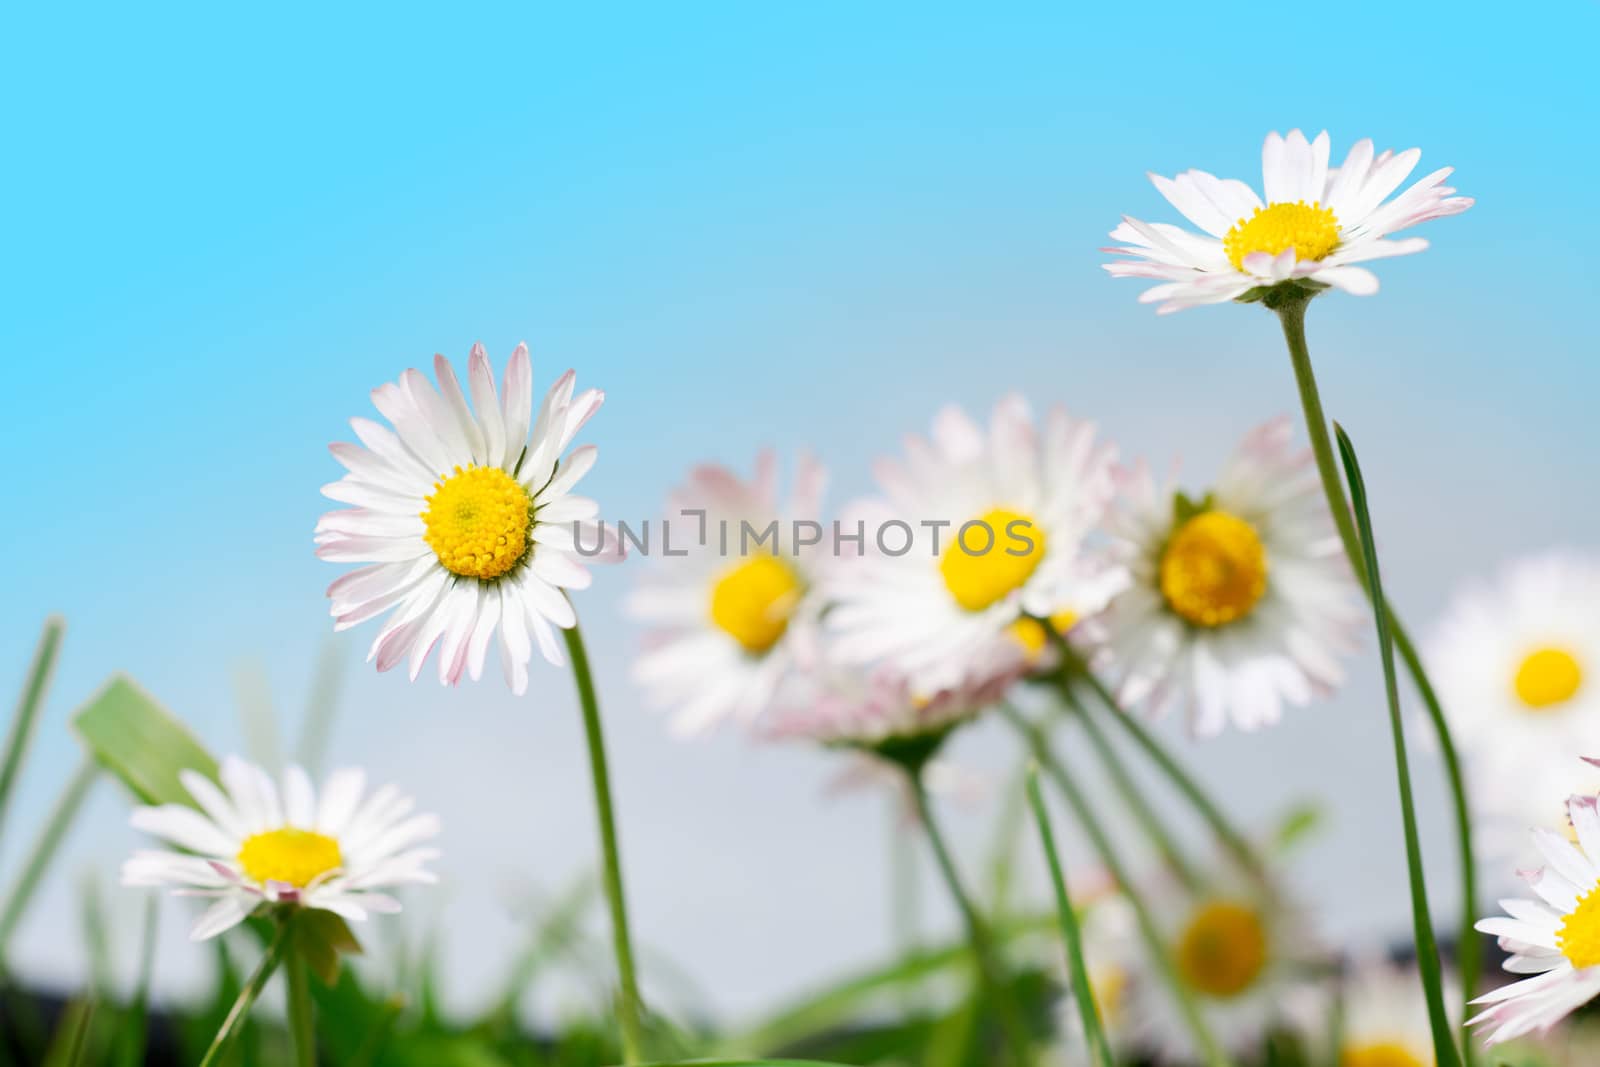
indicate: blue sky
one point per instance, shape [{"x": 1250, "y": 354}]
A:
[{"x": 751, "y": 227}]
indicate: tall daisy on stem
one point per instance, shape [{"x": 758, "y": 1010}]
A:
[
  {"x": 465, "y": 518},
  {"x": 1307, "y": 232}
]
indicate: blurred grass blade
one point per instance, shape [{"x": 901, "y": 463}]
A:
[
  {"x": 1082, "y": 991},
  {"x": 247, "y": 997},
  {"x": 134, "y": 1032},
  {"x": 96, "y": 939},
  {"x": 555, "y": 933},
  {"x": 70, "y": 1046},
  {"x": 373, "y": 1044},
  {"x": 44, "y": 850},
  {"x": 1444, "y": 1045},
  {"x": 141, "y": 742},
  {"x": 326, "y": 683},
  {"x": 24, "y": 719},
  {"x": 256, "y": 716}
]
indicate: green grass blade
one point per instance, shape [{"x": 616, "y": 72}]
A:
[
  {"x": 135, "y": 1029},
  {"x": 257, "y": 717},
  {"x": 96, "y": 939},
  {"x": 44, "y": 850},
  {"x": 141, "y": 743},
  {"x": 1444, "y": 1045},
  {"x": 70, "y": 1047},
  {"x": 26, "y": 717},
  {"x": 1082, "y": 991}
]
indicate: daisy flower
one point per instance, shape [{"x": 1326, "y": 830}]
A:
[
  {"x": 1556, "y": 938},
  {"x": 1241, "y": 953},
  {"x": 882, "y": 709},
  {"x": 1385, "y": 1021},
  {"x": 1311, "y": 226},
  {"x": 976, "y": 530},
  {"x": 465, "y": 517},
  {"x": 1240, "y": 600},
  {"x": 729, "y": 618},
  {"x": 246, "y": 844},
  {"x": 1517, "y": 665},
  {"x": 1113, "y": 958}
]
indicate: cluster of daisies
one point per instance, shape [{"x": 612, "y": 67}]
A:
[{"x": 1230, "y": 603}]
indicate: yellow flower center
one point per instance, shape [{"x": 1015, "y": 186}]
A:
[
  {"x": 1223, "y": 950},
  {"x": 1383, "y": 1054},
  {"x": 1027, "y": 632},
  {"x": 1548, "y": 677},
  {"x": 1579, "y": 936},
  {"x": 289, "y": 855},
  {"x": 1214, "y": 569},
  {"x": 1310, "y": 229},
  {"x": 477, "y": 522},
  {"x": 753, "y": 600},
  {"x": 996, "y": 554}
]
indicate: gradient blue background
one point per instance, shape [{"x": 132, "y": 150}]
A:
[{"x": 751, "y": 227}]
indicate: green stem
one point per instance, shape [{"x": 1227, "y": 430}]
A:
[
  {"x": 1231, "y": 839},
  {"x": 44, "y": 849},
  {"x": 302, "y": 1014},
  {"x": 1155, "y": 943},
  {"x": 27, "y": 713},
  {"x": 240, "y": 1011},
  {"x": 1134, "y": 799},
  {"x": 983, "y": 948},
  {"x": 631, "y": 1006},
  {"x": 1469, "y": 949},
  {"x": 1083, "y": 991},
  {"x": 1444, "y": 1046}
]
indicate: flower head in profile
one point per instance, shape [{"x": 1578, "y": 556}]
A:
[
  {"x": 883, "y": 710},
  {"x": 1517, "y": 664},
  {"x": 246, "y": 843},
  {"x": 730, "y": 617},
  {"x": 465, "y": 518},
  {"x": 1556, "y": 938},
  {"x": 1240, "y": 600},
  {"x": 1242, "y": 953},
  {"x": 1310, "y": 227},
  {"x": 977, "y": 530}
]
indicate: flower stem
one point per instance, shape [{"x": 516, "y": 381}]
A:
[
  {"x": 302, "y": 1014},
  {"x": 983, "y": 949},
  {"x": 1469, "y": 950},
  {"x": 1444, "y": 1046},
  {"x": 1134, "y": 800},
  {"x": 1155, "y": 943},
  {"x": 1071, "y": 935},
  {"x": 622, "y": 941},
  {"x": 1232, "y": 840},
  {"x": 240, "y": 1011}
]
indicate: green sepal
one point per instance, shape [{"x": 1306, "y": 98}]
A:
[
  {"x": 141, "y": 743},
  {"x": 322, "y": 938},
  {"x": 1184, "y": 508}
]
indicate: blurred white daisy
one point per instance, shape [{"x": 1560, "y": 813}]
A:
[
  {"x": 1556, "y": 938},
  {"x": 246, "y": 844},
  {"x": 466, "y": 519},
  {"x": 1313, "y": 224},
  {"x": 1241, "y": 600},
  {"x": 1385, "y": 1021},
  {"x": 1242, "y": 954},
  {"x": 975, "y": 530},
  {"x": 1115, "y": 961},
  {"x": 729, "y": 618},
  {"x": 1517, "y": 665},
  {"x": 881, "y": 708}
]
